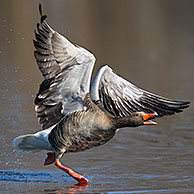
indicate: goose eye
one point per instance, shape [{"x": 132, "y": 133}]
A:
[{"x": 137, "y": 114}]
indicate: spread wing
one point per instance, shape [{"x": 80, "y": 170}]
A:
[
  {"x": 121, "y": 98},
  {"x": 67, "y": 71}
]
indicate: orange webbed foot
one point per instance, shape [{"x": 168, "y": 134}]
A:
[{"x": 50, "y": 158}]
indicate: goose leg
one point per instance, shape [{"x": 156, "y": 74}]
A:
[{"x": 69, "y": 171}]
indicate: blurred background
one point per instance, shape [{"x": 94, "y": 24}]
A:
[{"x": 150, "y": 43}]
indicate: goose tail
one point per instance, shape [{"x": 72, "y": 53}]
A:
[{"x": 32, "y": 143}]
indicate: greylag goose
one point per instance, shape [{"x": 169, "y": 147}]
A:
[{"x": 75, "y": 115}]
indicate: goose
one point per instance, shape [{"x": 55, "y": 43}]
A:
[{"x": 75, "y": 115}]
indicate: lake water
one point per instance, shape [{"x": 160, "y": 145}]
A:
[{"x": 152, "y": 45}]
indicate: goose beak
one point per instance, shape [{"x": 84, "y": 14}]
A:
[{"x": 147, "y": 118}]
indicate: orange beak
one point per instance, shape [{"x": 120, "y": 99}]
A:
[{"x": 147, "y": 118}]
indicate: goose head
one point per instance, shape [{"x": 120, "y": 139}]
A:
[{"x": 135, "y": 120}]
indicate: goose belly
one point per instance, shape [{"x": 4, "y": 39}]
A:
[
  {"x": 81, "y": 143},
  {"x": 73, "y": 135}
]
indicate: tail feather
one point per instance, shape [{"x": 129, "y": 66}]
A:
[{"x": 31, "y": 143}]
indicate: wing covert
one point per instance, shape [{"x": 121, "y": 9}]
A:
[{"x": 121, "y": 98}]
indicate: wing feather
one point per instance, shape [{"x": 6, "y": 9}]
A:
[
  {"x": 121, "y": 98},
  {"x": 67, "y": 71}
]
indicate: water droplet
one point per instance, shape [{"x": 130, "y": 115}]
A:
[{"x": 153, "y": 55}]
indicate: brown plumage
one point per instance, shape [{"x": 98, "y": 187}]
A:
[{"x": 84, "y": 129}]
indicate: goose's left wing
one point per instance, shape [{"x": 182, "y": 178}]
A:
[
  {"x": 67, "y": 70},
  {"x": 121, "y": 98}
]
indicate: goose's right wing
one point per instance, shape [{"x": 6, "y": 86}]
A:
[
  {"x": 121, "y": 98},
  {"x": 67, "y": 71}
]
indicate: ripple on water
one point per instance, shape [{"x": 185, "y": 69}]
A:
[{"x": 24, "y": 176}]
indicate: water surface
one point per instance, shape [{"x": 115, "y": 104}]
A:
[{"x": 150, "y": 44}]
